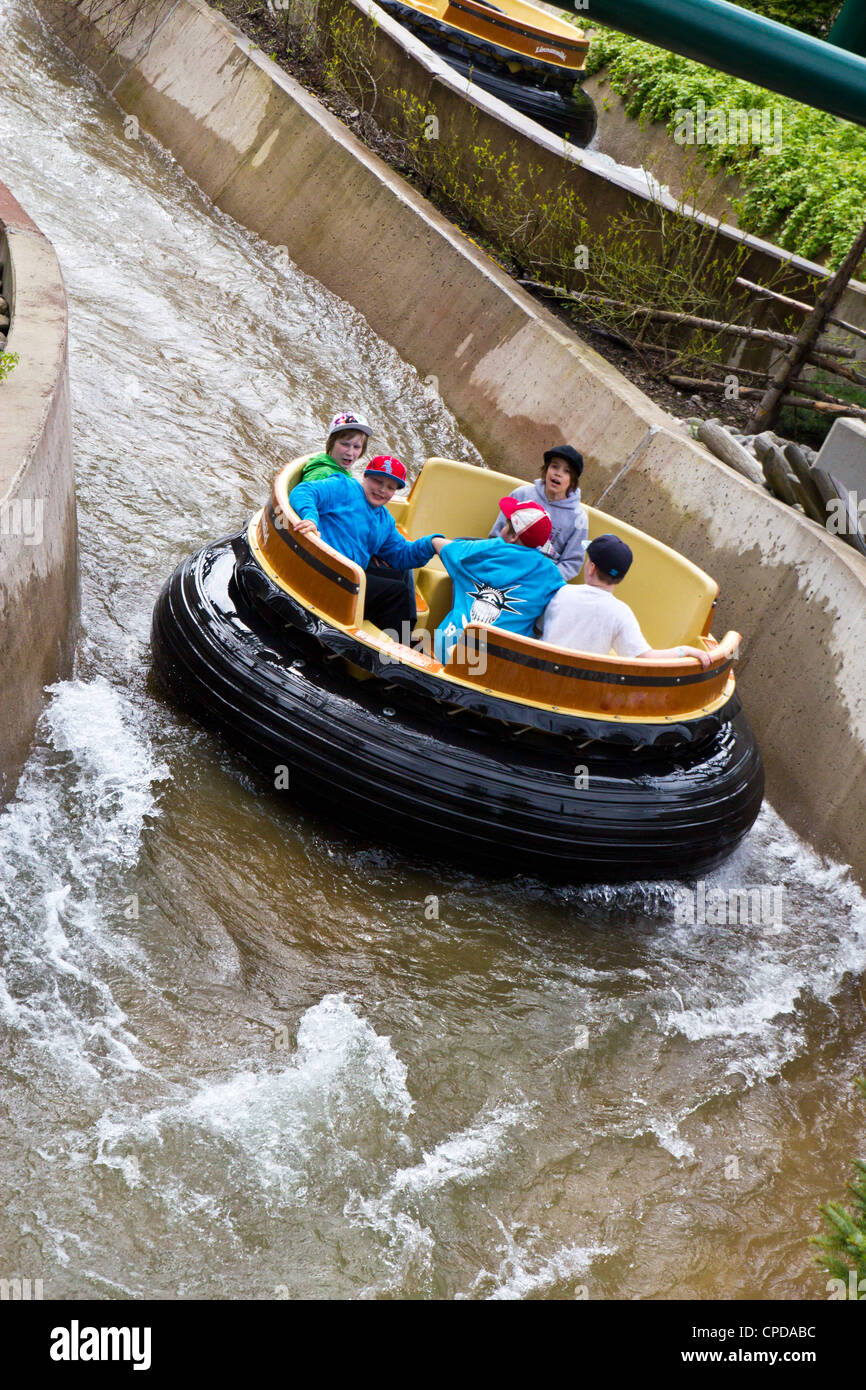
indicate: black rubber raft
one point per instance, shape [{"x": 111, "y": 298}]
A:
[{"x": 470, "y": 778}]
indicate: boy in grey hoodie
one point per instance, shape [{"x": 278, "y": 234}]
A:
[{"x": 558, "y": 493}]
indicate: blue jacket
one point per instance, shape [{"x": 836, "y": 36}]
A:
[
  {"x": 494, "y": 582},
  {"x": 569, "y": 521},
  {"x": 348, "y": 523}
]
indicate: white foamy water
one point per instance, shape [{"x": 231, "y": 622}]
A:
[
  {"x": 328, "y": 1130},
  {"x": 768, "y": 971},
  {"x": 73, "y": 829},
  {"x": 402, "y": 1217},
  {"x": 463, "y": 1157},
  {"x": 525, "y": 1275},
  {"x": 524, "y": 1272},
  {"x": 327, "y": 1116}
]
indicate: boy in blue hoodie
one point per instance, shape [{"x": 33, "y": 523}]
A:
[
  {"x": 350, "y": 515},
  {"x": 557, "y": 491},
  {"x": 506, "y": 581}
]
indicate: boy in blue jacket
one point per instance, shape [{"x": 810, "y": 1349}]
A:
[
  {"x": 350, "y": 515},
  {"x": 506, "y": 581}
]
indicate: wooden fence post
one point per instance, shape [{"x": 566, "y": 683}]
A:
[{"x": 764, "y": 415}]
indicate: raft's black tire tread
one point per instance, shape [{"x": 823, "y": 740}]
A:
[{"x": 642, "y": 827}]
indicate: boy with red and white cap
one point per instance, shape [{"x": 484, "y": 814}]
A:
[
  {"x": 506, "y": 581},
  {"x": 346, "y": 442},
  {"x": 350, "y": 515}
]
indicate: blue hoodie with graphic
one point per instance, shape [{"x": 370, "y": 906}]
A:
[
  {"x": 567, "y": 545},
  {"x": 506, "y": 585}
]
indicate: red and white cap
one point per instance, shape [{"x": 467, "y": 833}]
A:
[
  {"x": 529, "y": 521},
  {"x": 384, "y": 466}
]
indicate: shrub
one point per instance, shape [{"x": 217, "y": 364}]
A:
[
  {"x": 812, "y": 16},
  {"x": 844, "y": 1243},
  {"x": 8, "y": 361},
  {"x": 809, "y": 197}
]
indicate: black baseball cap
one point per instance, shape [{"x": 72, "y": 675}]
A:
[
  {"x": 612, "y": 555},
  {"x": 565, "y": 451}
]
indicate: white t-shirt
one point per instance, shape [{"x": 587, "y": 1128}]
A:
[{"x": 588, "y": 619}]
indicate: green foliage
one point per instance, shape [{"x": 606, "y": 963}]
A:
[
  {"x": 844, "y": 1244},
  {"x": 8, "y": 361},
  {"x": 811, "y": 16},
  {"x": 492, "y": 192},
  {"x": 349, "y": 44},
  {"x": 809, "y": 197},
  {"x": 809, "y": 426}
]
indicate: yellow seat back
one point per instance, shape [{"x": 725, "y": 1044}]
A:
[
  {"x": 289, "y": 476},
  {"x": 457, "y": 499}
]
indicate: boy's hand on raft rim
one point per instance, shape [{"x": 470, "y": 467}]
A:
[
  {"x": 703, "y": 657},
  {"x": 306, "y": 524}
]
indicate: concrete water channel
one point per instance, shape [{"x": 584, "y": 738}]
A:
[{"x": 243, "y": 1056}]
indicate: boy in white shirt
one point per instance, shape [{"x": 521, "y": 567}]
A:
[{"x": 590, "y": 618}]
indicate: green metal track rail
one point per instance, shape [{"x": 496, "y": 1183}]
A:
[{"x": 825, "y": 75}]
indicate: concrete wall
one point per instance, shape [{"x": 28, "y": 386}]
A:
[
  {"x": 269, "y": 154},
  {"x": 649, "y": 145},
  {"x": 38, "y": 537},
  {"x": 799, "y": 597}
]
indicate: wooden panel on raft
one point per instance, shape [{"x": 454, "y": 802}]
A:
[
  {"x": 311, "y": 569},
  {"x": 516, "y": 34},
  {"x": 523, "y": 669}
]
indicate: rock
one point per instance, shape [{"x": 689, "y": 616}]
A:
[
  {"x": 716, "y": 437},
  {"x": 778, "y": 478},
  {"x": 807, "y": 493},
  {"x": 842, "y": 518},
  {"x": 763, "y": 443}
]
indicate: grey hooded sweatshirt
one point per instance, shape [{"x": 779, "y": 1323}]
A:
[{"x": 567, "y": 544}]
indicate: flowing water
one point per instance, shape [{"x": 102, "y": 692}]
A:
[{"x": 244, "y": 1056}]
